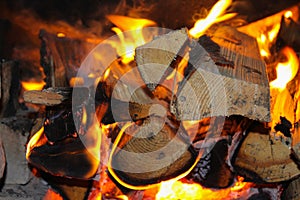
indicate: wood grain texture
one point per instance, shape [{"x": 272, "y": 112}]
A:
[
  {"x": 263, "y": 157},
  {"x": 226, "y": 77},
  {"x": 157, "y": 152}
]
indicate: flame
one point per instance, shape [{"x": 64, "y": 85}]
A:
[
  {"x": 215, "y": 15},
  {"x": 286, "y": 71},
  {"x": 269, "y": 35},
  {"x": 174, "y": 190},
  {"x": 35, "y": 141},
  {"x": 60, "y": 35},
  {"x": 33, "y": 85},
  {"x": 135, "y": 36},
  {"x": 51, "y": 195}
]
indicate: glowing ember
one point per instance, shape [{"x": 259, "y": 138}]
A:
[
  {"x": 32, "y": 85},
  {"x": 61, "y": 35},
  {"x": 215, "y": 15},
  {"x": 286, "y": 71},
  {"x": 51, "y": 195},
  {"x": 135, "y": 35}
]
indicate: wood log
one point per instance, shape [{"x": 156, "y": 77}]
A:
[
  {"x": 224, "y": 74},
  {"x": 263, "y": 157},
  {"x": 155, "y": 151},
  {"x": 154, "y": 58},
  {"x": 226, "y": 77},
  {"x": 9, "y": 88},
  {"x": 61, "y": 57}
]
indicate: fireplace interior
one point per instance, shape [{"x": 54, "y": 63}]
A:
[{"x": 97, "y": 102}]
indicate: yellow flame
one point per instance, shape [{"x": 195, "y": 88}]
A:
[
  {"x": 174, "y": 190},
  {"x": 61, "y": 35},
  {"x": 33, "y": 142},
  {"x": 32, "y": 85},
  {"x": 288, "y": 14},
  {"x": 265, "y": 40},
  {"x": 135, "y": 36},
  {"x": 215, "y": 15},
  {"x": 286, "y": 71}
]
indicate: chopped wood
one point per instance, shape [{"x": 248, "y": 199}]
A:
[
  {"x": 263, "y": 157},
  {"x": 55, "y": 96},
  {"x": 154, "y": 58},
  {"x": 227, "y": 76},
  {"x": 152, "y": 152},
  {"x": 9, "y": 88}
]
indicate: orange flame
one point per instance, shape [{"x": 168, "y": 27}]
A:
[
  {"x": 215, "y": 15},
  {"x": 33, "y": 85},
  {"x": 135, "y": 39},
  {"x": 51, "y": 195},
  {"x": 286, "y": 71}
]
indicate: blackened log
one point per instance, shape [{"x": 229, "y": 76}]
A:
[
  {"x": 69, "y": 158},
  {"x": 211, "y": 170}
]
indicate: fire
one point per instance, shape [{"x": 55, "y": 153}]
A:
[
  {"x": 266, "y": 39},
  {"x": 60, "y": 35},
  {"x": 287, "y": 70},
  {"x": 173, "y": 190},
  {"x": 216, "y": 14},
  {"x": 135, "y": 35},
  {"x": 51, "y": 195},
  {"x": 32, "y": 85},
  {"x": 35, "y": 141}
]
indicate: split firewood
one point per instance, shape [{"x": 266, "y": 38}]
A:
[
  {"x": 155, "y": 151},
  {"x": 226, "y": 74},
  {"x": 226, "y": 77},
  {"x": 154, "y": 58},
  {"x": 264, "y": 157},
  {"x": 9, "y": 88}
]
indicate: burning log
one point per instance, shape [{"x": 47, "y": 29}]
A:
[
  {"x": 211, "y": 170},
  {"x": 158, "y": 151},
  {"x": 225, "y": 73},
  {"x": 263, "y": 157},
  {"x": 61, "y": 57},
  {"x": 9, "y": 88}
]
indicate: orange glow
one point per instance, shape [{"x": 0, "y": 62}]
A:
[
  {"x": 286, "y": 71},
  {"x": 51, "y": 195},
  {"x": 135, "y": 36},
  {"x": 61, "y": 35},
  {"x": 216, "y": 14},
  {"x": 35, "y": 141},
  {"x": 32, "y": 85},
  {"x": 174, "y": 190}
]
